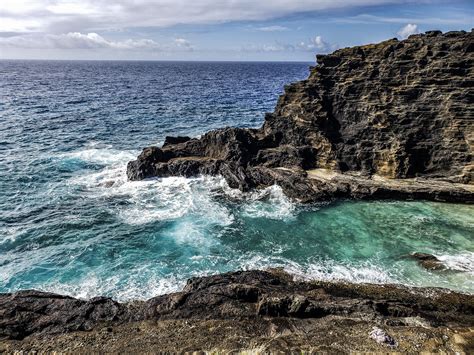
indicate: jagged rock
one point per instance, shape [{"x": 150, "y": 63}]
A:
[
  {"x": 29, "y": 312},
  {"x": 243, "y": 294},
  {"x": 264, "y": 310},
  {"x": 388, "y": 120},
  {"x": 175, "y": 140},
  {"x": 428, "y": 261}
]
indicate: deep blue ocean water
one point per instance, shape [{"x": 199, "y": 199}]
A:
[{"x": 70, "y": 222}]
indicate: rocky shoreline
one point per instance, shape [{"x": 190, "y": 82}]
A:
[
  {"x": 389, "y": 120},
  {"x": 246, "y": 310},
  {"x": 386, "y": 121}
]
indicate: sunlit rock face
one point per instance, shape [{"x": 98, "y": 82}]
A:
[
  {"x": 391, "y": 111},
  {"x": 398, "y": 109}
]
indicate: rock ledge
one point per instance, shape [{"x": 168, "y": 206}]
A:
[{"x": 254, "y": 310}]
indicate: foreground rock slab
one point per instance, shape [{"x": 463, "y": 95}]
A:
[
  {"x": 387, "y": 120},
  {"x": 251, "y": 310}
]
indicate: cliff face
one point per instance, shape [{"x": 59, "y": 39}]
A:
[
  {"x": 366, "y": 122},
  {"x": 397, "y": 109}
]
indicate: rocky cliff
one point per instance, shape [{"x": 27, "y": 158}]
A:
[{"x": 388, "y": 120}]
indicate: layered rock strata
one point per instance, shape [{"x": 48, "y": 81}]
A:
[
  {"x": 387, "y": 120},
  {"x": 253, "y": 310}
]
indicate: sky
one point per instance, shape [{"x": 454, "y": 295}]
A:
[{"x": 233, "y": 30}]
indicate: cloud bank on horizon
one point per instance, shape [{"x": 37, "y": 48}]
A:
[{"x": 209, "y": 29}]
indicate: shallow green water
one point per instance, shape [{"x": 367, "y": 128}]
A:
[{"x": 134, "y": 240}]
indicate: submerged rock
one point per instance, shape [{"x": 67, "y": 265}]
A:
[
  {"x": 386, "y": 120},
  {"x": 428, "y": 261}
]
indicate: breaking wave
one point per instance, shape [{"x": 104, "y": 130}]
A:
[{"x": 138, "y": 239}]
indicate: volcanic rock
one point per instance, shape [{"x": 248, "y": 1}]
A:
[
  {"x": 387, "y": 120},
  {"x": 265, "y": 310}
]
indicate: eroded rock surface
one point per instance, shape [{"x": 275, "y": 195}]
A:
[
  {"x": 265, "y": 310},
  {"x": 389, "y": 120}
]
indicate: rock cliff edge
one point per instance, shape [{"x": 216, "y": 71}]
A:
[{"x": 386, "y": 120}]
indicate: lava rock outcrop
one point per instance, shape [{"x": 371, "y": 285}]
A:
[
  {"x": 247, "y": 310},
  {"x": 243, "y": 294},
  {"x": 387, "y": 120}
]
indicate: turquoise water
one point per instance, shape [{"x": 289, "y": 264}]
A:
[{"x": 70, "y": 222}]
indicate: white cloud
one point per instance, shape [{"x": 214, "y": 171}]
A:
[
  {"x": 272, "y": 28},
  {"x": 75, "y": 40},
  {"x": 183, "y": 43},
  {"x": 407, "y": 30},
  {"x": 277, "y": 47},
  {"x": 450, "y": 19},
  {"x": 315, "y": 44},
  {"x": 95, "y": 15}
]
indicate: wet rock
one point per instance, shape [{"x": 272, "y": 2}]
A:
[
  {"x": 428, "y": 261},
  {"x": 391, "y": 120}
]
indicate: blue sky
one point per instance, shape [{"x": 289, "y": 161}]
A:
[{"x": 289, "y": 30}]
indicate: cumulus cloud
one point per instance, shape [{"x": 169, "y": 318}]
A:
[
  {"x": 183, "y": 43},
  {"x": 272, "y": 28},
  {"x": 408, "y": 30},
  {"x": 315, "y": 44},
  {"x": 62, "y": 16},
  {"x": 75, "y": 40}
]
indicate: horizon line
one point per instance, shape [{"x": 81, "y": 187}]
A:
[{"x": 156, "y": 60}]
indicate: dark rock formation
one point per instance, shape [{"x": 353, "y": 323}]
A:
[
  {"x": 389, "y": 120},
  {"x": 428, "y": 261},
  {"x": 265, "y": 302}
]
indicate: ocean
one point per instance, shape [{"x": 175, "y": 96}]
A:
[{"x": 71, "y": 223}]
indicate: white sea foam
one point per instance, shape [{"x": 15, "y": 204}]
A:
[
  {"x": 92, "y": 285},
  {"x": 269, "y": 203},
  {"x": 105, "y": 156},
  {"x": 189, "y": 202},
  {"x": 330, "y": 270},
  {"x": 463, "y": 261},
  {"x": 171, "y": 198}
]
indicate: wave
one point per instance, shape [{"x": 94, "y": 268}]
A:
[
  {"x": 142, "y": 284},
  {"x": 93, "y": 285},
  {"x": 104, "y": 156},
  {"x": 269, "y": 203},
  {"x": 327, "y": 270},
  {"x": 463, "y": 261},
  {"x": 171, "y": 198}
]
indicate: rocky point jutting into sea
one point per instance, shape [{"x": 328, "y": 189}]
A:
[{"x": 392, "y": 120}]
